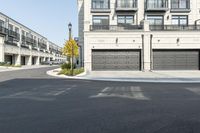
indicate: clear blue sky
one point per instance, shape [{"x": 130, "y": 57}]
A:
[{"x": 47, "y": 17}]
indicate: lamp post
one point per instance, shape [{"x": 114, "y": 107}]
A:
[{"x": 72, "y": 54}]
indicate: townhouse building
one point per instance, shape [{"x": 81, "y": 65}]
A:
[
  {"x": 20, "y": 45},
  {"x": 140, "y": 35}
]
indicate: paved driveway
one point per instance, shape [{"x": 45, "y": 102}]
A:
[{"x": 36, "y": 103}]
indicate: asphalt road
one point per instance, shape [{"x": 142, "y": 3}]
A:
[{"x": 32, "y": 102}]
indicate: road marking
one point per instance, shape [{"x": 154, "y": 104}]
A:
[
  {"x": 194, "y": 90},
  {"x": 133, "y": 92}
]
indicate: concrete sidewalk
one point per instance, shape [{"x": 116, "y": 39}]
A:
[
  {"x": 136, "y": 76},
  {"x": 5, "y": 69}
]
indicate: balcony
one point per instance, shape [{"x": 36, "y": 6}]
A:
[
  {"x": 174, "y": 27},
  {"x": 180, "y": 6},
  {"x": 125, "y": 6},
  {"x": 157, "y": 5},
  {"x": 3, "y": 30},
  {"x": 14, "y": 35},
  {"x": 115, "y": 27}
]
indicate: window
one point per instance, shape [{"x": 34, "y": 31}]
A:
[
  {"x": 23, "y": 32},
  {"x": 156, "y": 3},
  {"x": 100, "y": 4},
  {"x": 16, "y": 29},
  {"x": 1, "y": 23},
  {"x": 126, "y": 3},
  {"x": 10, "y": 27},
  {"x": 125, "y": 20},
  {"x": 155, "y": 20},
  {"x": 179, "y": 20},
  {"x": 180, "y": 4},
  {"x": 100, "y": 20}
]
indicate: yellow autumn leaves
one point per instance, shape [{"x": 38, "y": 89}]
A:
[{"x": 69, "y": 45}]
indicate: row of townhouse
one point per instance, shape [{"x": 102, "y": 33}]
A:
[
  {"x": 20, "y": 45},
  {"x": 140, "y": 35}
]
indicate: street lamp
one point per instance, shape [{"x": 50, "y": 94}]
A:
[
  {"x": 70, "y": 30},
  {"x": 72, "y": 54}
]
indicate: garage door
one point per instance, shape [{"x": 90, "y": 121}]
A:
[
  {"x": 116, "y": 60},
  {"x": 176, "y": 60}
]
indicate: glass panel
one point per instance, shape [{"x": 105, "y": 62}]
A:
[
  {"x": 100, "y": 20},
  {"x": 1, "y": 23},
  {"x": 155, "y": 20},
  {"x": 179, "y": 20},
  {"x": 175, "y": 4},
  {"x": 121, "y": 20},
  {"x": 10, "y": 27},
  {"x": 129, "y": 19},
  {"x": 100, "y": 4},
  {"x": 16, "y": 29},
  {"x": 182, "y": 4}
]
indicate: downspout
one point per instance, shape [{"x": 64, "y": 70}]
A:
[
  {"x": 151, "y": 52},
  {"x": 142, "y": 54}
]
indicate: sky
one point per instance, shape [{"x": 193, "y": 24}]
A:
[{"x": 49, "y": 18}]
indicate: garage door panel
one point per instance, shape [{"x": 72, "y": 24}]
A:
[
  {"x": 116, "y": 60},
  {"x": 176, "y": 60}
]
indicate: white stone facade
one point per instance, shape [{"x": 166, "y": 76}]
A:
[
  {"x": 147, "y": 39},
  {"x": 20, "y": 45}
]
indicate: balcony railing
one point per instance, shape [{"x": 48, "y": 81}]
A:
[
  {"x": 157, "y": 5},
  {"x": 129, "y": 5},
  {"x": 3, "y": 30},
  {"x": 175, "y": 27},
  {"x": 115, "y": 27}
]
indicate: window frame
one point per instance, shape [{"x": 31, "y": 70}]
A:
[
  {"x": 125, "y": 19},
  {"x": 179, "y": 19}
]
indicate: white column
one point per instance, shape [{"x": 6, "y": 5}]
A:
[
  {"x": 37, "y": 60},
  {"x": 18, "y": 56},
  {"x": 18, "y": 59},
  {"x": 87, "y": 55},
  {"x": 1, "y": 49},
  {"x": 29, "y": 60},
  {"x": 147, "y": 53}
]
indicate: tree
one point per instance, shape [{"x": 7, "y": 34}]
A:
[{"x": 71, "y": 50}]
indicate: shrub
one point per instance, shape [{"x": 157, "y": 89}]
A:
[
  {"x": 67, "y": 66},
  {"x": 2, "y": 63},
  {"x": 68, "y": 71}
]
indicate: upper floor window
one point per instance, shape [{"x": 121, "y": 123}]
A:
[
  {"x": 157, "y": 3},
  {"x": 180, "y": 4},
  {"x": 126, "y": 3},
  {"x": 124, "y": 20},
  {"x": 1, "y": 23},
  {"x": 16, "y": 29},
  {"x": 155, "y": 20},
  {"x": 179, "y": 20},
  {"x": 100, "y": 4},
  {"x": 100, "y": 20},
  {"x": 10, "y": 27}
]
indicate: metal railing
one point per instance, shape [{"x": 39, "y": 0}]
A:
[
  {"x": 126, "y": 4},
  {"x": 155, "y": 4},
  {"x": 175, "y": 27},
  {"x": 115, "y": 27},
  {"x": 3, "y": 30}
]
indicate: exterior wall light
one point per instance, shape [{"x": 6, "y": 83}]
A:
[
  {"x": 116, "y": 41},
  {"x": 177, "y": 40}
]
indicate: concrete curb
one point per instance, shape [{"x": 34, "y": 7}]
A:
[
  {"x": 8, "y": 69},
  {"x": 83, "y": 76}
]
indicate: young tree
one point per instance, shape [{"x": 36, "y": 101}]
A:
[{"x": 71, "y": 50}]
